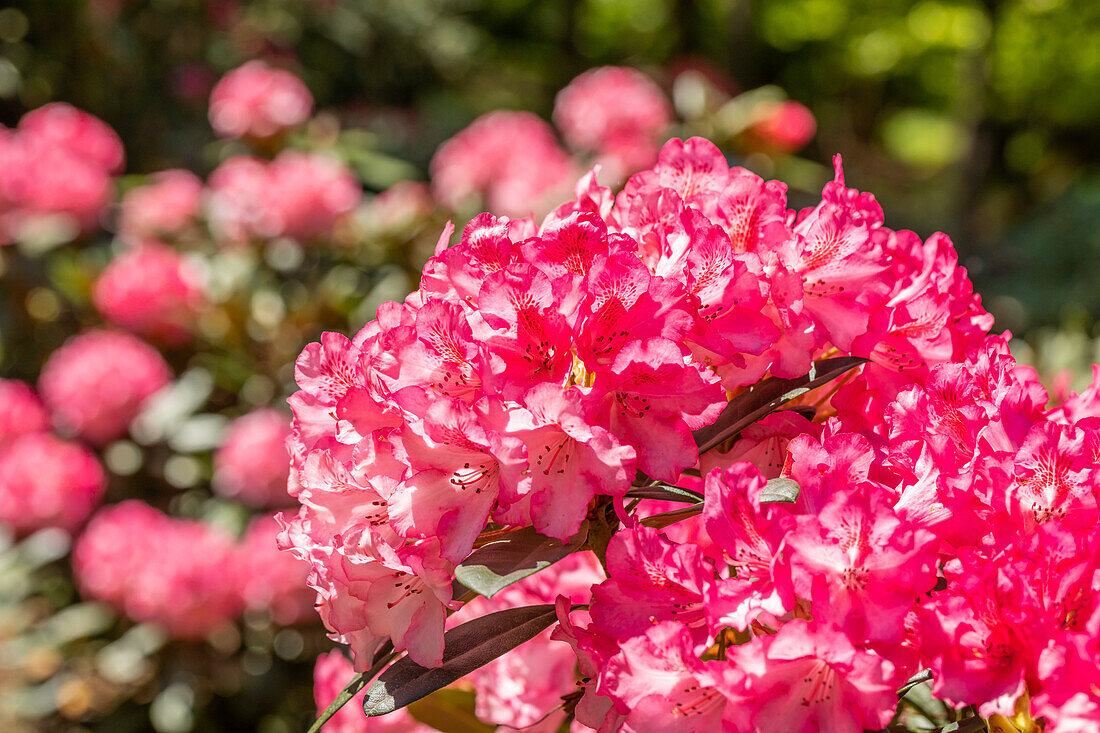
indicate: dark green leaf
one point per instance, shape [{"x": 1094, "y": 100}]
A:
[
  {"x": 467, "y": 647},
  {"x": 767, "y": 395},
  {"x": 664, "y": 519},
  {"x": 780, "y": 491},
  {"x": 499, "y": 564},
  {"x": 665, "y": 492}
]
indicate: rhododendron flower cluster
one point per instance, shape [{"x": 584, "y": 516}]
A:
[
  {"x": 562, "y": 375},
  {"x": 162, "y": 209},
  {"x": 252, "y": 463},
  {"x": 616, "y": 112},
  {"x": 98, "y": 382},
  {"x": 47, "y": 482},
  {"x": 152, "y": 290},
  {"x": 512, "y": 162},
  {"x": 259, "y": 101},
  {"x": 21, "y": 412},
  {"x": 184, "y": 575},
  {"x": 299, "y": 195},
  {"x": 56, "y": 164}
]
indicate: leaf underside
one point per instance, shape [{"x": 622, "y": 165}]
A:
[{"x": 497, "y": 565}]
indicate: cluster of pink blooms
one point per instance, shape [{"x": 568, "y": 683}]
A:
[
  {"x": 185, "y": 575},
  {"x": 616, "y": 113},
  {"x": 252, "y": 464},
  {"x": 57, "y": 164},
  {"x": 298, "y": 195},
  {"x": 44, "y": 481},
  {"x": 151, "y": 290},
  {"x": 945, "y": 518},
  {"x": 163, "y": 209},
  {"x": 259, "y": 101},
  {"x": 98, "y": 382},
  {"x": 513, "y": 163}
]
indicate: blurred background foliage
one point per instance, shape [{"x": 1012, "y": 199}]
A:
[{"x": 979, "y": 119}]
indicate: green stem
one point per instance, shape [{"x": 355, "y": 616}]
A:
[{"x": 352, "y": 689}]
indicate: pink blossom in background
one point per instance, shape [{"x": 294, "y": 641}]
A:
[
  {"x": 252, "y": 464},
  {"x": 270, "y": 579},
  {"x": 786, "y": 126},
  {"x": 509, "y": 161},
  {"x": 162, "y": 209},
  {"x": 175, "y": 573},
  {"x": 235, "y": 203},
  {"x": 331, "y": 674},
  {"x": 21, "y": 412},
  {"x": 400, "y": 205},
  {"x": 58, "y": 162},
  {"x": 62, "y": 126},
  {"x": 616, "y": 112},
  {"x": 153, "y": 291},
  {"x": 258, "y": 100},
  {"x": 47, "y": 482},
  {"x": 98, "y": 381},
  {"x": 307, "y": 194},
  {"x": 299, "y": 195}
]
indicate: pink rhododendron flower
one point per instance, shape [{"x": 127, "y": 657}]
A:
[
  {"x": 171, "y": 572},
  {"x": 617, "y": 113},
  {"x": 56, "y": 165},
  {"x": 270, "y": 579},
  {"x": 508, "y": 160},
  {"x": 236, "y": 199},
  {"x": 810, "y": 677},
  {"x": 62, "y": 126},
  {"x": 299, "y": 195},
  {"x": 786, "y": 126},
  {"x": 97, "y": 382},
  {"x": 153, "y": 291},
  {"x": 21, "y": 412},
  {"x": 47, "y": 482},
  {"x": 252, "y": 463},
  {"x": 257, "y": 100},
  {"x": 307, "y": 195},
  {"x": 162, "y": 209},
  {"x": 560, "y": 375}
]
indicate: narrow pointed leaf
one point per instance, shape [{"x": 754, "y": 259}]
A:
[
  {"x": 497, "y": 565},
  {"x": 766, "y": 396},
  {"x": 467, "y": 647},
  {"x": 925, "y": 675},
  {"x": 666, "y": 519},
  {"x": 665, "y": 492},
  {"x": 780, "y": 491}
]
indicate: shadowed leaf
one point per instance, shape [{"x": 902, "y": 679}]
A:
[
  {"x": 766, "y": 396},
  {"x": 468, "y": 647},
  {"x": 665, "y": 492}
]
